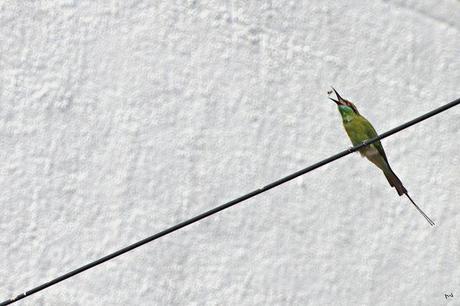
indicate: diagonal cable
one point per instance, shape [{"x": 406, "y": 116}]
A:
[{"x": 228, "y": 204}]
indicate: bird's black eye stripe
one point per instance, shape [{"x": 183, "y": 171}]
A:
[{"x": 352, "y": 107}]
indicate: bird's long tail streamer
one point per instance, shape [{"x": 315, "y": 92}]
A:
[{"x": 421, "y": 211}]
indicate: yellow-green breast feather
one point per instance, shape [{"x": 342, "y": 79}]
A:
[{"x": 359, "y": 129}]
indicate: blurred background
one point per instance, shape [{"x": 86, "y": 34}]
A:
[{"x": 121, "y": 118}]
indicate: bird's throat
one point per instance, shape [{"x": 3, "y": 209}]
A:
[
  {"x": 347, "y": 113},
  {"x": 347, "y": 117}
]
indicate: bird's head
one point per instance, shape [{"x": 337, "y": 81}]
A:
[{"x": 346, "y": 108}]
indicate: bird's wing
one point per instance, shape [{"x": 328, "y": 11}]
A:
[{"x": 371, "y": 133}]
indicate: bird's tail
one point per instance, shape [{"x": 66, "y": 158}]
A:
[
  {"x": 420, "y": 211},
  {"x": 396, "y": 183}
]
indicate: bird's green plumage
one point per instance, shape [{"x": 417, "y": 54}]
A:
[{"x": 360, "y": 130}]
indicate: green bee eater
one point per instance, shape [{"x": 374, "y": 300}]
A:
[{"x": 360, "y": 130}]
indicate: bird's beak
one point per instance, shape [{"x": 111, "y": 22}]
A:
[
  {"x": 336, "y": 102},
  {"x": 340, "y": 100}
]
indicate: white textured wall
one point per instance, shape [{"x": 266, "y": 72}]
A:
[{"x": 121, "y": 118}]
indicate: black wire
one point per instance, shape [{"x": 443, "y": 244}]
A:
[{"x": 228, "y": 204}]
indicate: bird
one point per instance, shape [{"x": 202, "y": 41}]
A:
[{"x": 359, "y": 129}]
